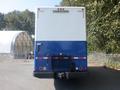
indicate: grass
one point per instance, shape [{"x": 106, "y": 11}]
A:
[
  {"x": 107, "y": 60},
  {"x": 113, "y": 64}
]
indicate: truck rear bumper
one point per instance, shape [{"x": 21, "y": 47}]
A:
[
  {"x": 43, "y": 74},
  {"x": 53, "y": 74}
]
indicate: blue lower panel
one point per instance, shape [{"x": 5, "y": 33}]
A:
[{"x": 56, "y": 48}]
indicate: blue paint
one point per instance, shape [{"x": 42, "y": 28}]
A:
[{"x": 54, "y": 48}]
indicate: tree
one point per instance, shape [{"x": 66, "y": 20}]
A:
[
  {"x": 2, "y": 21},
  {"x": 17, "y": 20},
  {"x": 27, "y": 20},
  {"x": 12, "y": 20}
]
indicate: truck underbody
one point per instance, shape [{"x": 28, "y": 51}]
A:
[{"x": 60, "y": 75}]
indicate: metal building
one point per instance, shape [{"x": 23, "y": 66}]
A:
[{"x": 15, "y": 44}]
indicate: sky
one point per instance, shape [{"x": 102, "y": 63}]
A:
[{"x": 11, "y": 5}]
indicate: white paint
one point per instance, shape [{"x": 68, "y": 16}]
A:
[
  {"x": 61, "y": 26},
  {"x": 6, "y": 40},
  {"x": 45, "y": 58},
  {"x": 76, "y": 68},
  {"x": 75, "y": 57}
]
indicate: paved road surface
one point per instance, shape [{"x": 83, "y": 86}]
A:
[{"x": 18, "y": 76}]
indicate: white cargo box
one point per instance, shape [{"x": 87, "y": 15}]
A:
[{"x": 60, "y": 24}]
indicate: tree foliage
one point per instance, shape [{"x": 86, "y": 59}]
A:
[
  {"x": 2, "y": 22},
  {"x": 103, "y": 23},
  {"x": 17, "y": 20}
]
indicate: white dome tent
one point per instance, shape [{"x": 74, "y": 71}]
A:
[{"x": 15, "y": 44}]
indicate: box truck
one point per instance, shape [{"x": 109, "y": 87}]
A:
[{"x": 60, "y": 42}]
